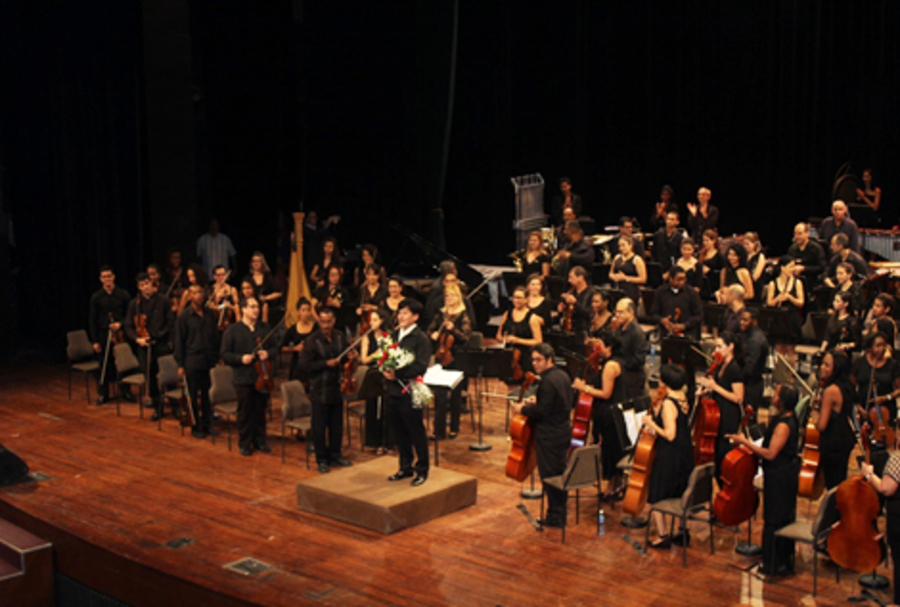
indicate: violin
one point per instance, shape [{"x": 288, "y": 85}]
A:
[
  {"x": 854, "y": 542},
  {"x": 140, "y": 326},
  {"x": 581, "y": 419},
  {"x": 642, "y": 464},
  {"x": 517, "y": 371},
  {"x": 879, "y": 416},
  {"x": 522, "y": 456},
  {"x": 567, "y": 316},
  {"x": 706, "y": 422},
  {"x": 349, "y": 385},
  {"x": 812, "y": 475},
  {"x": 676, "y": 317},
  {"x": 117, "y": 337},
  {"x": 444, "y": 354},
  {"x": 265, "y": 382},
  {"x": 738, "y": 499}
]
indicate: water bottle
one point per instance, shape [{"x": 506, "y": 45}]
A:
[
  {"x": 601, "y": 522},
  {"x": 653, "y": 362}
]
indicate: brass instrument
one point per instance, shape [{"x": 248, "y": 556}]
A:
[{"x": 516, "y": 257}]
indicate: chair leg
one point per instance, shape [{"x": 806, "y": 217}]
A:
[
  {"x": 282, "y": 441},
  {"x": 228, "y": 423},
  {"x": 87, "y": 388},
  {"x": 815, "y": 570},
  {"x": 647, "y": 530},
  {"x": 70, "y": 383},
  {"x": 684, "y": 538},
  {"x": 577, "y": 508},
  {"x": 362, "y": 442},
  {"x": 712, "y": 548}
]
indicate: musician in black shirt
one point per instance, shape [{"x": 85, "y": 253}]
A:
[
  {"x": 321, "y": 360},
  {"x": 577, "y": 251},
  {"x": 580, "y": 303},
  {"x": 634, "y": 349},
  {"x": 242, "y": 345},
  {"x": 108, "y": 308},
  {"x": 808, "y": 255},
  {"x": 756, "y": 351},
  {"x": 667, "y": 242},
  {"x": 196, "y": 352},
  {"x": 677, "y": 299},
  {"x": 150, "y": 310}
]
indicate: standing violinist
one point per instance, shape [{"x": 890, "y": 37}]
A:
[
  {"x": 372, "y": 294},
  {"x": 449, "y": 330},
  {"x": 835, "y": 414},
  {"x": 578, "y": 252},
  {"x": 727, "y": 386},
  {"x": 321, "y": 358},
  {"x": 634, "y": 349},
  {"x": 877, "y": 380},
  {"x": 196, "y": 352},
  {"x": 108, "y": 308},
  {"x": 677, "y": 307},
  {"x": 244, "y": 350},
  {"x": 295, "y": 337},
  {"x": 781, "y": 468},
  {"x": 550, "y": 411},
  {"x": 148, "y": 324},
  {"x": 576, "y": 305},
  {"x": 521, "y": 329},
  {"x": 223, "y": 299},
  {"x": 887, "y": 485}
]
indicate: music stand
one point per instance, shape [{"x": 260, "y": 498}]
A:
[
  {"x": 682, "y": 351},
  {"x": 480, "y": 364},
  {"x": 776, "y": 323},
  {"x": 713, "y": 314},
  {"x": 562, "y": 340},
  {"x": 654, "y": 274},
  {"x": 441, "y": 379}
]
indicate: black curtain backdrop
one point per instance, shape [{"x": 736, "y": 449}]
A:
[{"x": 337, "y": 105}]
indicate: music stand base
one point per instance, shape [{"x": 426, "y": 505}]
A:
[
  {"x": 480, "y": 447},
  {"x": 748, "y": 549},
  {"x": 634, "y": 522},
  {"x": 530, "y": 493},
  {"x": 873, "y": 581}
]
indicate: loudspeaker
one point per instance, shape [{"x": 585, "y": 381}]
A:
[{"x": 12, "y": 468}]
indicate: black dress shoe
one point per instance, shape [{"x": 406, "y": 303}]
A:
[
  {"x": 401, "y": 474},
  {"x": 343, "y": 462},
  {"x": 681, "y": 538},
  {"x": 419, "y": 480},
  {"x": 550, "y": 522},
  {"x": 156, "y": 416},
  {"x": 102, "y": 400},
  {"x": 663, "y": 543},
  {"x": 246, "y": 451},
  {"x": 323, "y": 468},
  {"x": 264, "y": 447},
  {"x": 198, "y": 433}
]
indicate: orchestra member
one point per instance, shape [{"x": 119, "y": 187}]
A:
[
  {"x": 223, "y": 299},
  {"x": 561, "y": 230},
  {"x": 449, "y": 277},
  {"x": 845, "y": 285},
  {"x": 879, "y": 318},
  {"x": 154, "y": 311},
  {"x": 781, "y": 467},
  {"x": 841, "y": 253},
  {"x": 321, "y": 361},
  {"x": 842, "y": 332},
  {"x": 566, "y": 199},
  {"x": 602, "y": 318},
  {"x": 295, "y": 337},
  {"x": 313, "y": 237},
  {"x": 712, "y": 262},
  {"x": 241, "y": 347},
  {"x": 634, "y": 348},
  {"x": 155, "y": 274},
  {"x": 174, "y": 273},
  {"x": 196, "y": 352},
  {"x": 378, "y": 434},
  {"x": 328, "y": 258},
  {"x": 662, "y": 208},
  {"x": 537, "y": 300},
  {"x": 248, "y": 289},
  {"x": 668, "y": 419},
  {"x": 840, "y": 223},
  {"x": 578, "y": 252},
  {"x": 677, "y": 298},
  {"x": 550, "y": 412},
  {"x": 836, "y": 437},
  {"x": 756, "y": 263},
  {"x": 578, "y": 303},
  {"x": 786, "y": 291},
  {"x": 702, "y": 216},
  {"x": 626, "y": 228},
  {"x": 869, "y": 194},
  {"x": 628, "y": 271},
  {"x": 535, "y": 259},
  {"x": 877, "y": 377},
  {"x": 107, "y": 310},
  {"x": 372, "y": 293},
  {"x": 688, "y": 262},
  {"x": 520, "y": 328},
  {"x": 407, "y": 421},
  {"x": 369, "y": 256},
  {"x": 449, "y": 330},
  {"x": 887, "y": 485},
  {"x": 196, "y": 275},
  {"x": 266, "y": 289},
  {"x": 215, "y": 249},
  {"x": 392, "y": 301},
  {"x": 756, "y": 352},
  {"x": 667, "y": 242},
  {"x": 733, "y": 298},
  {"x": 808, "y": 256},
  {"x": 332, "y": 294},
  {"x": 735, "y": 271},
  {"x": 607, "y": 390},
  {"x": 727, "y": 387}
]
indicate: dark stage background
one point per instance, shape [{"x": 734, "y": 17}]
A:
[{"x": 127, "y": 124}]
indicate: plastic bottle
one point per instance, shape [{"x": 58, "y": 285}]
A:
[{"x": 601, "y": 522}]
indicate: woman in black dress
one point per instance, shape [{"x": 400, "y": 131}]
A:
[
  {"x": 600, "y": 321},
  {"x": 836, "y": 437},
  {"x": 295, "y": 337},
  {"x": 368, "y": 256},
  {"x": 331, "y": 295},
  {"x": 781, "y": 468},
  {"x": 688, "y": 261},
  {"x": 735, "y": 271},
  {"x": 881, "y": 392},
  {"x": 728, "y": 389},
  {"x": 842, "y": 332},
  {"x": 712, "y": 261},
  {"x": 628, "y": 271},
  {"x": 329, "y": 257},
  {"x": 378, "y": 431},
  {"x": 520, "y": 328},
  {"x": 786, "y": 291},
  {"x": 608, "y": 392},
  {"x": 535, "y": 259},
  {"x": 756, "y": 264},
  {"x": 452, "y": 320},
  {"x": 845, "y": 284},
  {"x": 266, "y": 289},
  {"x": 674, "y": 457},
  {"x": 372, "y": 293},
  {"x": 392, "y": 301},
  {"x": 538, "y": 300}
]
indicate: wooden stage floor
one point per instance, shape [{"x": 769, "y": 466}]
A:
[{"x": 119, "y": 490}]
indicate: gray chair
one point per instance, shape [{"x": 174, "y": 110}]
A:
[
  {"x": 80, "y": 351},
  {"x": 223, "y": 397},
  {"x": 583, "y": 470},
  {"x": 357, "y": 408},
  {"x": 815, "y": 533},
  {"x": 170, "y": 385},
  {"x": 296, "y": 414},
  {"x": 696, "y": 498},
  {"x": 130, "y": 373}
]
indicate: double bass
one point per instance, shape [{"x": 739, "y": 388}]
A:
[
  {"x": 581, "y": 419},
  {"x": 642, "y": 464},
  {"x": 854, "y": 542},
  {"x": 522, "y": 456},
  {"x": 738, "y": 499},
  {"x": 706, "y": 421}
]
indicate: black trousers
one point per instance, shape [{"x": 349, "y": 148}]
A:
[
  {"x": 154, "y": 352},
  {"x": 409, "y": 428},
  {"x": 328, "y": 430},
  {"x": 198, "y": 381},
  {"x": 634, "y": 382},
  {"x": 893, "y": 540},
  {"x": 442, "y": 398},
  {"x": 251, "y": 416},
  {"x": 551, "y": 460},
  {"x": 379, "y": 432}
]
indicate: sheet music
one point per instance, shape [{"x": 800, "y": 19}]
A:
[
  {"x": 633, "y": 423},
  {"x": 442, "y": 378}
]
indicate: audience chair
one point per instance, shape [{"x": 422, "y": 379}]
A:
[
  {"x": 296, "y": 414},
  {"x": 80, "y": 351},
  {"x": 582, "y": 471},
  {"x": 130, "y": 373},
  {"x": 223, "y": 397},
  {"x": 696, "y": 498}
]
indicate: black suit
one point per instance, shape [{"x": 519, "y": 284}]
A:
[{"x": 409, "y": 425}]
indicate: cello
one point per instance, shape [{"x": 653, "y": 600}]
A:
[
  {"x": 706, "y": 422},
  {"x": 879, "y": 416},
  {"x": 581, "y": 419},
  {"x": 854, "y": 542},
  {"x": 738, "y": 499},
  {"x": 522, "y": 456},
  {"x": 812, "y": 476},
  {"x": 642, "y": 464}
]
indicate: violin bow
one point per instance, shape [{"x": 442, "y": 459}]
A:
[{"x": 787, "y": 363}]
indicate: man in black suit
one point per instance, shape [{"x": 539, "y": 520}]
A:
[
  {"x": 155, "y": 314},
  {"x": 408, "y": 422}
]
